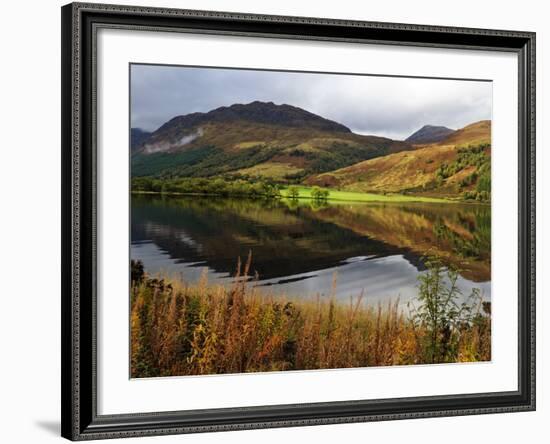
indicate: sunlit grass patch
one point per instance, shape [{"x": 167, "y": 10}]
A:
[{"x": 336, "y": 195}]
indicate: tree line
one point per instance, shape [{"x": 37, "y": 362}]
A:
[{"x": 224, "y": 187}]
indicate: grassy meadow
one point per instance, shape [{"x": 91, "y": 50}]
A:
[
  {"x": 179, "y": 328},
  {"x": 334, "y": 196}
]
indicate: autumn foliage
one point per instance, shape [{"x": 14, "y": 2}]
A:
[{"x": 183, "y": 329}]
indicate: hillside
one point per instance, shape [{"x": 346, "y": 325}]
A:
[
  {"x": 479, "y": 132},
  {"x": 281, "y": 142},
  {"x": 429, "y": 134},
  {"x": 137, "y": 138},
  {"x": 457, "y": 165}
]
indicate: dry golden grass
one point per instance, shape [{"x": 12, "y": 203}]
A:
[
  {"x": 272, "y": 170},
  {"x": 409, "y": 170},
  {"x": 474, "y": 134},
  {"x": 391, "y": 173},
  {"x": 181, "y": 329}
]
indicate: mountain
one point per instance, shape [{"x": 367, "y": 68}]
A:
[
  {"x": 178, "y": 133},
  {"x": 256, "y": 139},
  {"x": 137, "y": 138},
  {"x": 460, "y": 163},
  {"x": 429, "y": 134}
]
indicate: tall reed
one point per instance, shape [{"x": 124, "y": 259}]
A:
[{"x": 183, "y": 329}]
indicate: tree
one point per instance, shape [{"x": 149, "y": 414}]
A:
[
  {"x": 319, "y": 193},
  {"x": 293, "y": 192}
]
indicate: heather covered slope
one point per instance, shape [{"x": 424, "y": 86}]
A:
[
  {"x": 281, "y": 142},
  {"x": 457, "y": 165}
]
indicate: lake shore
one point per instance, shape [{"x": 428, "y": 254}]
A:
[
  {"x": 334, "y": 197},
  {"x": 350, "y": 196},
  {"x": 182, "y": 328}
]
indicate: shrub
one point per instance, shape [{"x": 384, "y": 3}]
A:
[
  {"x": 319, "y": 193},
  {"x": 441, "y": 314},
  {"x": 293, "y": 192},
  {"x": 472, "y": 155}
]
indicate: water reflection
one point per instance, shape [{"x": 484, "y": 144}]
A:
[{"x": 296, "y": 248}]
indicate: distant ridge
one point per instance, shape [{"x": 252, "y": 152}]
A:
[{"x": 429, "y": 134}]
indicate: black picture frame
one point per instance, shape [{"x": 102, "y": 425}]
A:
[{"x": 80, "y": 420}]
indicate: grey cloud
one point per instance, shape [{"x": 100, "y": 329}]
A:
[{"x": 385, "y": 106}]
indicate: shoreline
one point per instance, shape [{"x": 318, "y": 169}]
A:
[
  {"x": 208, "y": 329},
  {"x": 367, "y": 197}
]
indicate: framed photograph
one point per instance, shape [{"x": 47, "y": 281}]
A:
[{"x": 283, "y": 221}]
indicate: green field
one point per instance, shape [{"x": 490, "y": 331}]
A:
[{"x": 305, "y": 193}]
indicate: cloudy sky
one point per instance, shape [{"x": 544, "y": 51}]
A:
[{"x": 386, "y": 106}]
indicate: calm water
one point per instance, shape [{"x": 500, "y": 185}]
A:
[{"x": 296, "y": 249}]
